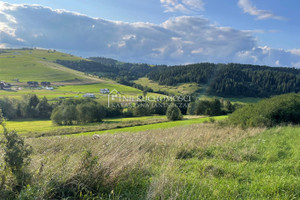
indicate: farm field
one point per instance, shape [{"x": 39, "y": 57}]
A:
[
  {"x": 37, "y": 128},
  {"x": 75, "y": 91}
]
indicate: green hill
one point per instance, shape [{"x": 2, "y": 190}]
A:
[
  {"x": 37, "y": 65},
  {"x": 18, "y": 66}
]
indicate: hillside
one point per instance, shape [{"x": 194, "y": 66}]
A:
[
  {"x": 225, "y": 80},
  {"x": 208, "y": 79},
  {"x": 232, "y": 80},
  {"x": 18, "y": 66},
  {"x": 105, "y": 67},
  {"x": 24, "y": 65}
]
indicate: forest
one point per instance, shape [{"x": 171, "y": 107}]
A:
[
  {"x": 230, "y": 80},
  {"x": 109, "y": 68}
]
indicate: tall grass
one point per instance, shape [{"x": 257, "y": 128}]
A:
[
  {"x": 199, "y": 161},
  {"x": 129, "y": 164}
]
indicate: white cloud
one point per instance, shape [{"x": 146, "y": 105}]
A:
[
  {"x": 295, "y": 51},
  {"x": 268, "y": 56},
  {"x": 183, "y": 6},
  {"x": 247, "y": 7},
  {"x": 176, "y": 41}
]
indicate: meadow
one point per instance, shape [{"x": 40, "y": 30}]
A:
[
  {"x": 180, "y": 89},
  {"x": 199, "y": 161},
  {"x": 39, "y": 128},
  {"x": 30, "y": 65}
]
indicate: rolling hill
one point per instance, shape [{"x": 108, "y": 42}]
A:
[
  {"x": 36, "y": 65},
  {"x": 18, "y": 66},
  {"x": 205, "y": 79}
]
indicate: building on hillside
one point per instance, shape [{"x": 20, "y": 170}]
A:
[
  {"x": 89, "y": 95},
  {"x": 4, "y": 86},
  {"x": 104, "y": 91},
  {"x": 49, "y": 88},
  {"x": 45, "y": 84},
  {"x": 32, "y": 84}
]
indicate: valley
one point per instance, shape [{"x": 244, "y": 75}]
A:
[{"x": 195, "y": 131}]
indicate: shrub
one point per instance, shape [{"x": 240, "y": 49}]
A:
[
  {"x": 173, "y": 113},
  {"x": 16, "y": 160},
  {"x": 283, "y": 109}
]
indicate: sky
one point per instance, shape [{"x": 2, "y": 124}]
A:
[{"x": 158, "y": 31}]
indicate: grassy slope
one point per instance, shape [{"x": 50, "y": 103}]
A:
[
  {"x": 200, "y": 161},
  {"x": 187, "y": 88},
  {"x": 38, "y": 65},
  {"x": 35, "y": 65},
  {"x": 263, "y": 167}
]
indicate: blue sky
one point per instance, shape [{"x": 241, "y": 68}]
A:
[{"x": 159, "y": 31}]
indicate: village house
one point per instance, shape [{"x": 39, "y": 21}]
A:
[
  {"x": 32, "y": 84},
  {"x": 45, "y": 84},
  {"x": 89, "y": 95},
  {"x": 104, "y": 91},
  {"x": 4, "y": 86}
]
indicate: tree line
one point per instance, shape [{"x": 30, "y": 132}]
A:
[{"x": 122, "y": 72}]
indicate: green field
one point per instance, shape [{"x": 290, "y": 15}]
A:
[
  {"x": 186, "y": 88},
  {"x": 190, "y": 88},
  {"x": 76, "y": 91},
  {"x": 46, "y": 127},
  {"x": 262, "y": 167},
  {"x": 163, "y": 125},
  {"x": 35, "y": 65}
]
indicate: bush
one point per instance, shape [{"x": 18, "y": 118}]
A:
[
  {"x": 173, "y": 113},
  {"x": 283, "y": 109},
  {"x": 15, "y": 175}
]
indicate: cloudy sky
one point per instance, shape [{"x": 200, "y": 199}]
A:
[{"x": 158, "y": 31}]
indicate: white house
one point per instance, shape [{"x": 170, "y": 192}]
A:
[{"x": 49, "y": 88}]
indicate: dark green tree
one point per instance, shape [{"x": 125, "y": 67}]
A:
[
  {"x": 43, "y": 108},
  {"x": 173, "y": 113}
]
